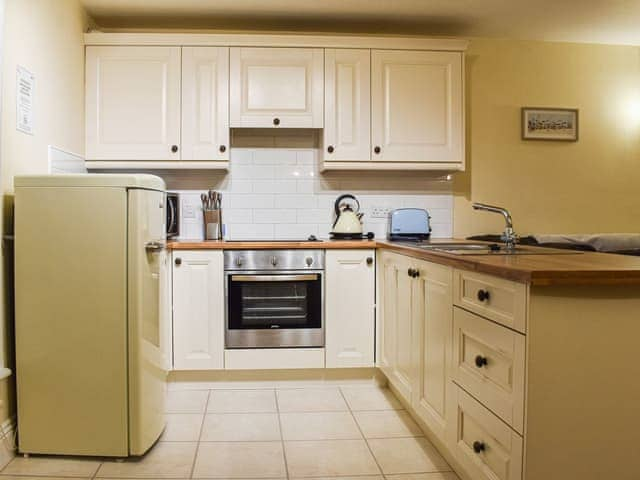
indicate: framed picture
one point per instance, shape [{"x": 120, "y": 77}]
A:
[{"x": 550, "y": 124}]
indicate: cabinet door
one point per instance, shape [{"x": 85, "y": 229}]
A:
[
  {"x": 132, "y": 103},
  {"x": 433, "y": 319},
  {"x": 397, "y": 330},
  {"x": 350, "y": 304},
  {"x": 347, "y": 105},
  {"x": 205, "y": 103},
  {"x": 198, "y": 310},
  {"x": 277, "y": 87},
  {"x": 417, "y": 106}
]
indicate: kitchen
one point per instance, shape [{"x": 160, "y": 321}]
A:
[{"x": 467, "y": 359}]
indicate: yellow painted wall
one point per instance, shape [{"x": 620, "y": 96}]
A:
[
  {"x": 44, "y": 36},
  {"x": 589, "y": 186}
]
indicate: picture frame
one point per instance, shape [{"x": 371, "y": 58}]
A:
[{"x": 554, "y": 124}]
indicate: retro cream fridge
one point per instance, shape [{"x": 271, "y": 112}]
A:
[{"x": 90, "y": 363}]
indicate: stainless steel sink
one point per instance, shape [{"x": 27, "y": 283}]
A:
[{"x": 466, "y": 248}]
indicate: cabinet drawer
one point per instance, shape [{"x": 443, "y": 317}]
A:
[
  {"x": 488, "y": 362},
  {"x": 483, "y": 445},
  {"x": 500, "y": 300}
]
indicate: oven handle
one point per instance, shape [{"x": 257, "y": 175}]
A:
[{"x": 273, "y": 278}]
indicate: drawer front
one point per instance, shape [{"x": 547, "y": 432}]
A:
[
  {"x": 489, "y": 363},
  {"x": 484, "y": 445},
  {"x": 500, "y": 300}
]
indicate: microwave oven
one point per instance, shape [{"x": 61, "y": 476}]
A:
[{"x": 173, "y": 215}]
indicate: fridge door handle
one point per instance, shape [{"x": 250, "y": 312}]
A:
[{"x": 154, "y": 246}]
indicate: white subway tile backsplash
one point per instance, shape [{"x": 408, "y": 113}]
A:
[
  {"x": 274, "y": 156},
  {"x": 275, "y": 186},
  {"x": 278, "y": 193},
  {"x": 296, "y": 231},
  {"x": 295, "y": 201},
  {"x": 275, "y": 216}
]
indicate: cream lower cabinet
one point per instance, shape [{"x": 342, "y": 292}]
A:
[
  {"x": 198, "y": 310},
  {"x": 350, "y": 308},
  {"x": 396, "y": 328},
  {"x": 415, "y": 334}
]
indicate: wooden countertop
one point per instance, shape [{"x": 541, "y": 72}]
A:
[
  {"x": 584, "y": 268},
  {"x": 266, "y": 244}
]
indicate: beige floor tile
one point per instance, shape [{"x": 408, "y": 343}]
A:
[
  {"x": 22, "y": 477},
  {"x": 424, "y": 476},
  {"x": 407, "y": 455},
  {"x": 164, "y": 460},
  {"x": 240, "y": 460},
  {"x": 240, "y": 427},
  {"x": 51, "y": 466},
  {"x": 319, "y": 426},
  {"x": 186, "y": 401},
  {"x": 329, "y": 458},
  {"x": 311, "y": 400},
  {"x": 182, "y": 427},
  {"x": 371, "y": 398},
  {"x": 242, "y": 401},
  {"x": 387, "y": 424},
  {"x": 357, "y": 477}
]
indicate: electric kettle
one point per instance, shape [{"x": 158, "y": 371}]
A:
[{"x": 348, "y": 224}]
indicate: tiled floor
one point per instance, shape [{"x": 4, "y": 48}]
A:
[{"x": 352, "y": 432}]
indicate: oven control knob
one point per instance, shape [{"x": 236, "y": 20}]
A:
[
  {"x": 308, "y": 261},
  {"x": 274, "y": 260},
  {"x": 239, "y": 261}
]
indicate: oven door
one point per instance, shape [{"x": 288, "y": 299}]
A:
[{"x": 274, "y": 310}]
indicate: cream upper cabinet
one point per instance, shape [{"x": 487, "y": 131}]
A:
[
  {"x": 347, "y": 105},
  {"x": 350, "y": 304},
  {"x": 198, "y": 310},
  {"x": 205, "y": 103},
  {"x": 132, "y": 103},
  {"x": 433, "y": 319},
  {"x": 417, "y": 109},
  {"x": 277, "y": 87}
]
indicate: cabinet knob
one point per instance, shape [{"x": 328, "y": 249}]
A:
[
  {"x": 410, "y": 272},
  {"x": 481, "y": 361},
  {"x": 416, "y": 273},
  {"x": 174, "y": 148},
  {"x": 483, "y": 295},
  {"x": 377, "y": 150},
  {"x": 479, "y": 447},
  {"x": 178, "y": 261},
  {"x": 223, "y": 148},
  {"x": 369, "y": 260},
  {"x": 276, "y": 121},
  {"x": 330, "y": 149}
]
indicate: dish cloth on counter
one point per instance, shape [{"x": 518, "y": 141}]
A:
[{"x": 601, "y": 242}]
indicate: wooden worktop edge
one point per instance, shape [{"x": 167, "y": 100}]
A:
[{"x": 534, "y": 277}]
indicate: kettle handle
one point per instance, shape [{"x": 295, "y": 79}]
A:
[{"x": 342, "y": 197}]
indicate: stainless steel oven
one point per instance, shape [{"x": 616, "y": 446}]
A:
[{"x": 274, "y": 298}]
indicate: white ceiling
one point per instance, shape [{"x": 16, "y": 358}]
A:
[{"x": 591, "y": 21}]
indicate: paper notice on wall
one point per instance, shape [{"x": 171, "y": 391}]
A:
[{"x": 25, "y": 83}]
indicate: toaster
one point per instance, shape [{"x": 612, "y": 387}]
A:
[{"x": 409, "y": 224}]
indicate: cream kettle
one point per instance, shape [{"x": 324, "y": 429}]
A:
[{"x": 348, "y": 221}]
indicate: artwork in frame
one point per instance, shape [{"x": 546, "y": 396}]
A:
[{"x": 550, "y": 124}]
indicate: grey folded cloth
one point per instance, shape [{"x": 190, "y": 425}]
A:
[{"x": 602, "y": 242}]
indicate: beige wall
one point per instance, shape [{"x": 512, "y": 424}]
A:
[
  {"x": 589, "y": 186},
  {"x": 44, "y": 36}
]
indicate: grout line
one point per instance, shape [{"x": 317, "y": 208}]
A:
[
  {"x": 204, "y": 416},
  {"x": 284, "y": 451},
  {"x": 361, "y": 432}
]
